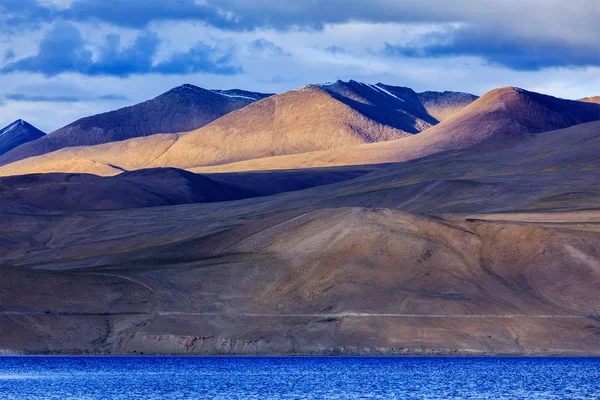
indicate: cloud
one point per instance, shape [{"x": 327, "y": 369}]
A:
[
  {"x": 16, "y": 15},
  {"x": 277, "y": 78},
  {"x": 63, "y": 50},
  {"x": 113, "y": 97},
  {"x": 9, "y": 55},
  {"x": 267, "y": 47},
  {"x": 315, "y": 14},
  {"x": 518, "y": 34},
  {"x": 116, "y": 61},
  {"x": 200, "y": 58},
  {"x": 506, "y": 50},
  {"x": 60, "y": 99},
  {"x": 41, "y": 98},
  {"x": 336, "y": 50},
  {"x": 139, "y": 13}
]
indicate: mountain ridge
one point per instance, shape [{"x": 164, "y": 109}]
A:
[
  {"x": 499, "y": 113},
  {"x": 313, "y": 117},
  {"x": 183, "y": 108}
]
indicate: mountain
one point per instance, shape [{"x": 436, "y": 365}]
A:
[
  {"x": 593, "y": 99},
  {"x": 16, "y": 134},
  {"x": 491, "y": 249},
  {"x": 181, "y": 109},
  {"x": 141, "y": 188},
  {"x": 499, "y": 113},
  {"x": 311, "y": 118},
  {"x": 442, "y": 105}
]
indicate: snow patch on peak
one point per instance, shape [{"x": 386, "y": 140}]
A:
[
  {"x": 187, "y": 88},
  {"x": 235, "y": 93},
  {"x": 378, "y": 86},
  {"x": 305, "y": 88},
  {"x": 11, "y": 127},
  {"x": 326, "y": 84}
]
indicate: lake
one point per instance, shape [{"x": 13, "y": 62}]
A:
[{"x": 495, "y": 378}]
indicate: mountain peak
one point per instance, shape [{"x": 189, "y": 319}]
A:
[
  {"x": 187, "y": 88},
  {"x": 234, "y": 94},
  {"x": 17, "y": 133}
]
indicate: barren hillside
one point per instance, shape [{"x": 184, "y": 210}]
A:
[
  {"x": 491, "y": 249},
  {"x": 181, "y": 109},
  {"x": 311, "y": 118},
  {"x": 500, "y": 113}
]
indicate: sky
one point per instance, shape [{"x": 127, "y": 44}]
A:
[{"x": 61, "y": 60}]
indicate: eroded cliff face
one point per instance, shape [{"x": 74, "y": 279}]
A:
[{"x": 331, "y": 281}]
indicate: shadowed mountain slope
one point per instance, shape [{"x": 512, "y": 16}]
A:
[
  {"x": 16, "y": 134},
  {"x": 443, "y": 105},
  {"x": 141, "y": 188},
  {"x": 156, "y": 187},
  {"x": 181, "y": 109}
]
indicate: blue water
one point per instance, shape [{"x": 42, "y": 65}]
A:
[{"x": 298, "y": 378}]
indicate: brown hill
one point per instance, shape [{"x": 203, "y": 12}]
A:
[
  {"x": 181, "y": 109},
  {"x": 103, "y": 159},
  {"x": 500, "y": 113},
  {"x": 312, "y": 118},
  {"x": 141, "y": 188},
  {"x": 333, "y": 281},
  {"x": 156, "y": 187}
]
